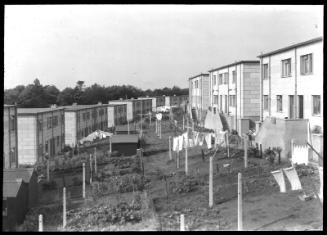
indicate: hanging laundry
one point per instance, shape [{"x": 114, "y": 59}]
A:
[
  {"x": 185, "y": 140},
  {"x": 180, "y": 143},
  {"x": 190, "y": 143},
  {"x": 300, "y": 154},
  {"x": 175, "y": 143},
  {"x": 196, "y": 138},
  {"x": 293, "y": 178},
  {"x": 201, "y": 139},
  {"x": 208, "y": 140},
  {"x": 279, "y": 177}
]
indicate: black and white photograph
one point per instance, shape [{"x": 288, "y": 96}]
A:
[{"x": 162, "y": 117}]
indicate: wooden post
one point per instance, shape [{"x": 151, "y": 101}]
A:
[
  {"x": 40, "y": 223},
  {"x": 95, "y": 161},
  {"x": 192, "y": 125},
  {"x": 83, "y": 180},
  {"x": 156, "y": 126},
  {"x": 128, "y": 127},
  {"x": 177, "y": 160},
  {"x": 91, "y": 168},
  {"x": 292, "y": 151},
  {"x": 210, "y": 182},
  {"x": 227, "y": 143},
  {"x": 239, "y": 205},
  {"x": 170, "y": 156},
  {"x": 160, "y": 129},
  {"x": 110, "y": 144},
  {"x": 48, "y": 169},
  {"x": 245, "y": 151},
  {"x": 183, "y": 123},
  {"x": 64, "y": 207},
  {"x": 182, "y": 226},
  {"x": 186, "y": 158}
]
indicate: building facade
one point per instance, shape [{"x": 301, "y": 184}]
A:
[
  {"x": 10, "y": 137},
  {"x": 41, "y": 131},
  {"x": 117, "y": 114},
  {"x": 291, "y": 83},
  {"x": 235, "y": 92},
  {"x": 199, "y": 94},
  {"x": 81, "y": 120}
]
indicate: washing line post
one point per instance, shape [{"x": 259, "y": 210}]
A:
[
  {"x": 95, "y": 161},
  {"x": 210, "y": 182},
  {"x": 170, "y": 156},
  {"x": 182, "y": 222},
  {"x": 239, "y": 204},
  {"x": 186, "y": 157},
  {"x": 227, "y": 143},
  {"x": 40, "y": 223},
  {"x": 83, "y": 180},
  {"x": 64, "y": 207},
  {"x": 91, "y": 168},
  {"x": 245, "y": 151}
]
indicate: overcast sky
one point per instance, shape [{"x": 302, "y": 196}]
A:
[{"x": 148, "y": 46}]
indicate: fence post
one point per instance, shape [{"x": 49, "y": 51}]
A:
[
  {"x": 83, "y": 180},
  {"x": 182, "y": 226},
  {"x": 91, "y": 170},
  {"x": 186, "y": 158},
  {"x": 128, "y": 127},
  {"x": 170, "y": 156},
  {"x": 239, "y": 211},
  {"x": 177, "y": 159},
  {"x": 156, "y": 126},
  {"x": 110, "y": 144},
  {"x": 64, "y": 207},
  {"x": 48, "y": 169},
  {"x": 227, "y": 143},
  {"x": 41, "y": 223},
  {"x": 95, "y": 161},
  {"x": 183, "y": 123},
  {"x": 210, "y": 182}
]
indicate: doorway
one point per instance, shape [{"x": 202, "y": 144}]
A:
[
  {"x": 300, "y": 100},
  {"x": 291, "y": 107}
]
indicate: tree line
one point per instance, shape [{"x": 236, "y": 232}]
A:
[{"x": 36, "y": 95}]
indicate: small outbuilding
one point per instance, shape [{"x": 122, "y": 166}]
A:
[
  {"x": 123, "y": 129},
  {"x": 14, "y": 203},
  {"x": 126, "y": 144}
]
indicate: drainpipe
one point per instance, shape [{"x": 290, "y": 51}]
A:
[
  {"x": 241, "y": 113},
  {"x": 261, "y": 90},
  {"x": 269, "y": 96},
  {"x": 295, "y": 88},
  {"x": 9, "y": 139},
  {"x": 236, "y": 126},
  {"x": 228, "y": 91}
]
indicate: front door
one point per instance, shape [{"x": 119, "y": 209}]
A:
[
  {"x": 300, "y": 100},
  {"x": 291, "y": 107}
]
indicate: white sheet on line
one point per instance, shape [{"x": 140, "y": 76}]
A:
[
  {"x": 180, "y": 143},
  {"x": 175, "y": 143},
  {"x": 300, "y": 154},
  {"x": 293, "y": 178},
  {"x": 279, "y": 177},
  {"x": 208, "y": 140}
]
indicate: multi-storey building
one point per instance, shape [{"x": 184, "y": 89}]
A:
[
  {"x": 10, "y": 137},
  {"x": 199, "y": 94},
  {"x": 40, "y": 131},
  {"x": 117, "y": 114},
  {"x": 160, "y": 101},
  {"x": 235, "y": 92},
  {"x": 81, "y": 120},
  {"x": 291, "y": 94},
  {"x": 175, "y": 101}
]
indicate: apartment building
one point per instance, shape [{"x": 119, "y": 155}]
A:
[
  {"x": 199, "y": 94},
  {"x": 176, "y": 101},
  {"x": 81, "y": 120},
  {"x": 235, "y": 93},
  {"x": 160, "y": 101},
  {"x": 40, "y": 131},
  {"x": 117, "y": 114},
  {"x": 10, "y": 137},
  {"x": 291, "y": 94},
  {"x": 129, "y": 107},
  {"x": 291, "y": 82}
]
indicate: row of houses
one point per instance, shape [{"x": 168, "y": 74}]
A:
[
  {"x": 283, "y": 87},
  {"x": 30, "y": 133}
]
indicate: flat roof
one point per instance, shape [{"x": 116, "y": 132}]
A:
[
  {"x": 311, "y": 41},
  {"x": 131, "y": 138},
  {"x": 22, "y": 111},
  {"x": 113, "y": 105},
  {"x": 14, "y": 173},
  {"x": 201, "y": 74},
  {"x": 11, "y": 187},
  {"x": 236, "y": 63},
  {"x": 9, "y": 105},
  {"x": 82, "y": 106},
  {"x": 125, "y": 128}
]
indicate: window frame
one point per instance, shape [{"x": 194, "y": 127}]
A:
[
  {"x": 302, "y": 64},
  {"x": 289, "y": 62}
]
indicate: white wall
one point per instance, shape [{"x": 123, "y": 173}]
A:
[{"x": 27, "y": 147}]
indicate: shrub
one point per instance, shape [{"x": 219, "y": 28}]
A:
[
  {"x": 49, "y": 185},
  {"x": 270, "y": 155}
]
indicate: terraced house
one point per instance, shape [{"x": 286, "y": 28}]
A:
[
  {"x": 81, "y": 120},
  {"x": 41, "y": 131},
  {"x": 10, "y": 137},
  {"x": 292, "y": 95},
  {"x": 235, "y": 92},
  {"x": 117, "y": 114},
  {"x": 199, "y": 95}
]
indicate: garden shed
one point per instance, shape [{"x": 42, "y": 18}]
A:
[
  {"x": 29, "y": 176},
  {"x": 14, "y": 203},
  {"x": 126, "y": 144}
]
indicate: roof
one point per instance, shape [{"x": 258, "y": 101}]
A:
[
  {"x": 125, "y": 128},
  {"x": 113, "y": 105},
  {"x": 23, "y": 111},
  {"x": 201, "y": 74},
  {"x": 9, "y": 105},
  {"x": 11, "y": 187},
  {"x": 14, "y": 173},
  {"x": 311, "y": 41},
  {"x": 125, "y": 139},
  {"x": 80, "y": 107},
  {"x": 236, "y": 63}
]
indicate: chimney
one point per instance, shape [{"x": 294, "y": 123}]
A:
[{"x": 53, "y": 106}]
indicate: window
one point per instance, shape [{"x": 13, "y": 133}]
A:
[
  {"x": 220, "y": 81},
  {"x": 306, "y": 64},
  {"x": 286, "y": 68},
  {"x": 234, "y": 76},
  {"x": 279, "y": 103},
  {"x": 226, "y": 78},
  {"x": 214, "y": 80},
  {"x": 265, "y": 102},
  {"x": 316, "y": 105},
  {"x": 232, "y": 100},
  {"x": 265, "y": 71},
  {"x": 49, "y": 122},
  {"x": 215, "y": 99}
]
